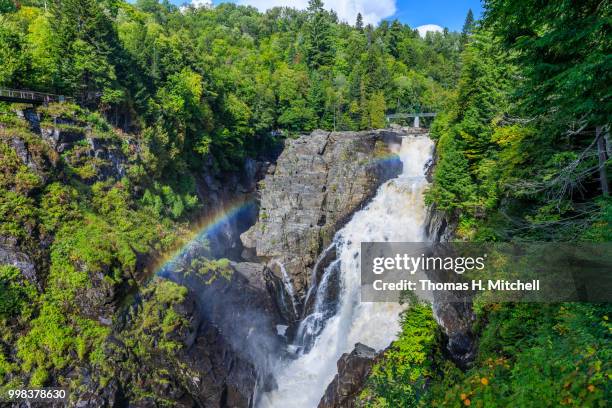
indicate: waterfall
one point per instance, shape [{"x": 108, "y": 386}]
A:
[
  {"x": 396, "y": 213},
  {"x": 288, "y": 285}
]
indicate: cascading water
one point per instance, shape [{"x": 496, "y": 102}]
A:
[
  {"x": 288, "y": 286},
  {"x": 397, "y": 213}
]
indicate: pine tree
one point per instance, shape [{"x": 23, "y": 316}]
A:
[
  {"x": 394, "y": 36},
  {"x": 319, "y": 35},
  {"x": 468, "y": 27},
  {"x": 564, "y": 48},
  {"x": 92, "y": 44},
  {"x": 359, "y": 22}
]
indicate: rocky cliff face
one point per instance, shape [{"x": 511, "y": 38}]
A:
[
  {"x": 218, "y": 191},
  {"x": 439, "y": 226},
  {"x": 455, "y": 319},
  {"x": 192, "y": 365},
  {"x": 37, "y": 147},
  {"x": 189, "y": 351},
  {"x": 318, "y": 182}
]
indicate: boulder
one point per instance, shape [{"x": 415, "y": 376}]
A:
[{"x": 353, "y": 371}]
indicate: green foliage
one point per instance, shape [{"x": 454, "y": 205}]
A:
[
  {"x": 516, "y": 161},
  {"x": 18, "y": 214},
  {"x": 158, "y": 322},
  {"x": 95, "y": 231},
  {"x": 163, "y": 200},
  {"x": 564, "y": 48},
  {"x": 467, "y": 174},
  {"x": 14, "y": 173},
  {"x": 319, "y": 45},
  {"x": 7, "y": 6},
  {"x": 601, "y": 228},
  {"x": 376, "y": 111},
  {"x": 514, "y": 155},
  {"x": 397, "y": 380},
  {"x": 221, "y": 84},
  {"x": 534, "y": 355},
  {"x": 58, "y": 206},
  {"x": 16, "y": 293},
  {"x": 83, "y": 250},
  {"x": 209, "y": 87},
  {"x": 210, "y": 268}
]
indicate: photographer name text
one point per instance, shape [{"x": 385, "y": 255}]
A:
[{"x": 473, "y": 285}]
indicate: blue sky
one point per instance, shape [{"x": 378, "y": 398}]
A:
[{"x": 445, "y": 13}]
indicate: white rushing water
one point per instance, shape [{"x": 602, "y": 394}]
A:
[
  {"x": 397, "y": 213},
  {"x": 288, "y": 285}
]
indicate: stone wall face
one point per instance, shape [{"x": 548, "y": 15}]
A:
[{"x": 318, "y": 182}]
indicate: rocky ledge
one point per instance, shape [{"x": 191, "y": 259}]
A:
[
  {"x": 353, "y": 370},
  {"x": 318, "y": 182}
]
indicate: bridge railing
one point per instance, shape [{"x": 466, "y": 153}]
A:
[
  {"x": 25, "y": 95},
  {"x": 415, "y": 115},
  {"x": 411, "y": 115}
]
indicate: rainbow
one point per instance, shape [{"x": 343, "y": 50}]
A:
[
  {"x": 210, "y": 224},
  {"x": 199, "y": 231},
  {"x": 385, "y": 158}
]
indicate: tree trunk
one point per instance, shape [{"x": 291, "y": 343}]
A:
[{"x": 601, "y": 150}]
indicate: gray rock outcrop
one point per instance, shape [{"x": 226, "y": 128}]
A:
[
  {"x": 353, "y": 370},
  {"x": 439, "y": 226},
  {"x": 10, "y": 254},
  {"x": 318, "y": 182}
]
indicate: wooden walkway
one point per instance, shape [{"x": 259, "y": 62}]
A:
[{"x": 24, "y": 96}]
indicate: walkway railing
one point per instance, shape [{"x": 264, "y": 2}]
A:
[{"x": 20, "y": 95}]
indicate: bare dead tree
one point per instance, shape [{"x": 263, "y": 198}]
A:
[{"x": 570, "y": 179}]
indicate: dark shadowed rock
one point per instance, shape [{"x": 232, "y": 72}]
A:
[
  {"x": 455, "y": 318},
  {"x": 439, "y": 226},
  {"x": 353, "y": 370}
]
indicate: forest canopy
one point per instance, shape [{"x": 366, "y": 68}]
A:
[{"x": 223, "y": 80}]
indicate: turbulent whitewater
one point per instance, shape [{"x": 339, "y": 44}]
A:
[{"x": 396, "y": 213}]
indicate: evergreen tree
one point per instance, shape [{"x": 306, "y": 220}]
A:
[
  {"x": 7, "y": 6},
  {"x": 359, "y": 22},
  {"x": 319, "y": 35},
  {"x": 394, "y": 38},
  {"x": 90, "y": 72},
  {"x": 468, "y": 28},
  {"x": 565, "y": 50}
]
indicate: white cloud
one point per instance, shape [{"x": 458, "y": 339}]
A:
[
  {"x": 197, "y": 4},
  {"x": 372, "y": 11},
  {"x": 201, "y": 3},
  {"x": 428, "y": 27}
]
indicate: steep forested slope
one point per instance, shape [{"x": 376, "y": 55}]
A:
[
  {"x": 220, "y": 79},
  {"x": 162, "y": 99},
  {"x": 518, "y": 160}
]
